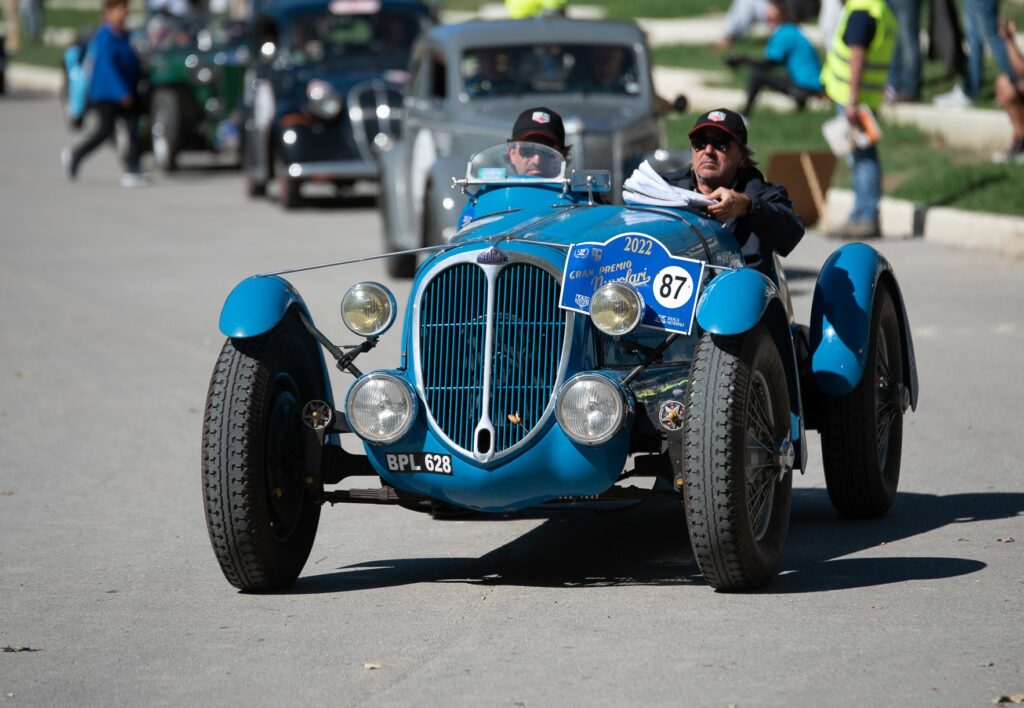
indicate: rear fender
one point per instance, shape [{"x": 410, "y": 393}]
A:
[
  {"x": 841, "y": 319},
  {"x": 733, "y": 303},
  {"x": 257, "y": 305}
]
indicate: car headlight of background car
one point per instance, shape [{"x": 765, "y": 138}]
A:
[
  {"x": 380, "y": 408},
  {"x": 324, "y": 99},
  {"x": 368, "y": 309},
  {"x": 203, "y": 72},
  {"x": 616, "y": 308},
  {"x": 590, "y": 408}
]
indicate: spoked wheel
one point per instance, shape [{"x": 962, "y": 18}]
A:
[
  {"x": 739, "y": 459},
  {"x": 262, "y": 500},
  {"x": 862, "y": 432}
]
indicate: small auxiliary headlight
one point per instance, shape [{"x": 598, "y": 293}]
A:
[
  {"x": 590, "y": 408},
  {"x": 616, "y": 308},
  {"x": 324, "y": 100},
  {"x": 368, "y": 309},
  {"x": 380, "y": 408}
]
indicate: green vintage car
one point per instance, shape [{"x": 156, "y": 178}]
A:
[{"x": 196, "y": 77}]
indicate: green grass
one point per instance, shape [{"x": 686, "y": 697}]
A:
[
  {"x": 75, "y": 19},
  {"x": 916, "y": 166},
  {"x": 38, "y": 54}
]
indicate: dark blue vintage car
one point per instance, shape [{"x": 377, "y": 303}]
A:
[
  {"x": 325, "y": 90},
  {"x": 554, "y": 351}
]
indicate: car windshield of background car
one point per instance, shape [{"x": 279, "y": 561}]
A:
[
  {"x": 491, "y": 72},
  {"x": 382, "y": 39}
]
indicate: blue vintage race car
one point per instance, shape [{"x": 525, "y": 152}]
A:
[{"x": 554, "y": 348}]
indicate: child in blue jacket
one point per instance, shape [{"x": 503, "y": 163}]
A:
[{"x": 115, "y": 73}]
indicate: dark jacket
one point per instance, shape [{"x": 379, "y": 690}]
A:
[{"x": 771, "y": 218}]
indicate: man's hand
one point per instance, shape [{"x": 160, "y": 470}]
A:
[
  {"x": 731, "y": 204},
  {"x": 852, "y": 115}
]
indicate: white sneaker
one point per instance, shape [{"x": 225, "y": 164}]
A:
[
  {"x": 956, "y": 98},
  {"x": 135, "y": 179}
]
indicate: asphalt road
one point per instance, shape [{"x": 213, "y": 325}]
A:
[{"x": 108, "y": 333}]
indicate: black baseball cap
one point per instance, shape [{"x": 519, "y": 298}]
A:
[
  {"x": 729, "y": 122},
  {"x": 539, "y": 122}
]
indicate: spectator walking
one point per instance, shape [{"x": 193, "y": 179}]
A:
[
  {"x": 31, "y": 12},
  {"x": 905, "y": 70},
  {"x": 112, "y": 93},
  {"x": 787, "y": 47},
  {"x": 981, "y": 29},
  {"x": 854, "y": 74}
]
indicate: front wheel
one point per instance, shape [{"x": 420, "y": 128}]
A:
[
  {"x": 862, "y": 432},
  {"x": 262, "y": 503},
  {"x": 738, "y": 459},
  {"x": 166, "y": 130}
]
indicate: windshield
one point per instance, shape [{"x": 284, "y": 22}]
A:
[
  {"x": 491, "y": 72},
  {"x": 516, "y": 161},
  {"x": 314, "y": 36}
]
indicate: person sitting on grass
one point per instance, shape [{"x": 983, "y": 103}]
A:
[{"x": 787, "y": 47}]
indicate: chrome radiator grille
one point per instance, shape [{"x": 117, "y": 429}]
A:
[
  {"x": 374, "y": 107},
  {"x": 486, "y": 387}
]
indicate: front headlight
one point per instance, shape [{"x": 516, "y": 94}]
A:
[
  {"x": 616, "y": 308},
  {"x": 324, "y": 100},
  {"x": 368, "y": 309},
  {"x": 590, "y": 408},
  {"x": 380, "y": 408}
]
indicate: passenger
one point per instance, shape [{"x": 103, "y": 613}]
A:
[
  {"x": 112, "y": 92},
  {"x": 759, "y": 213},
  {"x": 542, "y": 126}
]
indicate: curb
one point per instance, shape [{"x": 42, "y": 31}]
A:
[
  {"x": 972, "y": 230},
  {"x": 34, "y": 78}
]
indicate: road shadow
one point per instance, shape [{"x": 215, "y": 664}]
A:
[{"x": 648, "y": 545}]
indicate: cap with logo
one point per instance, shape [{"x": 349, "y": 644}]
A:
[
  {"x": 729, "y": 122},
  {"x": 539, "y": 122}
]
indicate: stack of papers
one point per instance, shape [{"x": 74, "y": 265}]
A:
[
  {"x": 647, "y": 187},
  {"x": 843, "y": 138}
]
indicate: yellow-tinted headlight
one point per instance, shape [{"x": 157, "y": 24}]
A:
[
  {"x": 616, "y": 308},
  {"x": 368, "y": 309}
]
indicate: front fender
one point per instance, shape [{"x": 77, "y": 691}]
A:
[
  {"x": 841, "y": 319},
  {"x": 735, "y": 301},
  {"x": 256, "y": 305}
]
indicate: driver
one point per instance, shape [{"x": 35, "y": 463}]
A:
[{"x": 536, "y": 125}]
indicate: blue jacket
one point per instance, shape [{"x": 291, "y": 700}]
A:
[
  {"x": 115, "y": 66},
  {"x": 788, "y": 45}
]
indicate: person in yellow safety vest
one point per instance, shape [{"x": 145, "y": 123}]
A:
[
  {"x": 519, "y": 9},
  {"x": 855, "y": 72}
]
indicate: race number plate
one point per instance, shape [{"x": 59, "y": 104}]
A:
[
  {"x": 668, "y": 284},
  {"x": 419, "y": 462}
]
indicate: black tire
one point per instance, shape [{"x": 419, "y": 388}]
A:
[
  {"x": 289, "y": 194},
  {"x": 255, "y": 187},
  {"x": 261, "y": 513},
  {"x": 737, "y": 389},
  {"x": 862, "y": 432},
  {"x": 166, "y": 129}
]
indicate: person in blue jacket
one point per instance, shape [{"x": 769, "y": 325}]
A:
[
  {"x": 789, "y": 48},
  {"x": 112, "y": 92}
]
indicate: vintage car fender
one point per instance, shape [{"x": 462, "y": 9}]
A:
[
  {"x": 841, "y": 319},
  {"x": 443, "y": 222},
  {"x": 395, "y": 200},
  {"x": 257, "y": 304},
  {"x": 734, "y": 302}
]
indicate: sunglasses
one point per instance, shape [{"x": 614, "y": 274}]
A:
[
  {"x": 526, "y": 152},
  {"x": 720, "y": 143}
]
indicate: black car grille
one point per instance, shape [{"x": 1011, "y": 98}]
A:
[
  {"x": 526, "y": 349},
  {"x": 374, "y": 108}
]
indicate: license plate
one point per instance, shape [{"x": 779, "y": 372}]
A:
[{"x": 419, "y": 462}]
